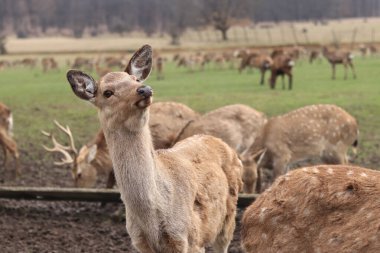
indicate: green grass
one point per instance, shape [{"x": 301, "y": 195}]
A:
[{"x": 38, "y": 98}]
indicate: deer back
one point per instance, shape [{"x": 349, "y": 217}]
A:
[{"x": 316, "y": 209}]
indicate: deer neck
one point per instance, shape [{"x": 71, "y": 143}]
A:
[{"x": 132, "y": 154}]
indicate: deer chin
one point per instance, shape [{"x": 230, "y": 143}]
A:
[{"x": 144, "y": 103}]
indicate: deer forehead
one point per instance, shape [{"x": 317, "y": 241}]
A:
[{"x": 116, "y": 80}]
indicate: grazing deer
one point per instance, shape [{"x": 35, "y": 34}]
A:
[
  {"x": 282, "y": 65},
  {"x": 316, "y": 131},
  {"x": 6, "y": 141},
  {"x": 167, "y": 119},
  {"x": 177, "y": 200},
  {"x": 238, "y": 126},
  {"x": 316, "y": 209},
  {"x": 339, "y": 57},
  {"x": 49, "y": 63},
  {"x": 91, "y": 160},
  {"x": 260, "y": 61}
]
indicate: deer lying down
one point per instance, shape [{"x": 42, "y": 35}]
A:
[
  {"x": 316, "y": 131},
  {"x": 238, "y": 126},
  {"x": 177, "y": 200},
  {"x": 316, "y": 209},
  {"x": 167, "y": 119}
]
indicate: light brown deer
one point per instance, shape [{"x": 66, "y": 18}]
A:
[
  {"x": 316, "y": 209},
  {"x": 260, "y": 61},
  {"x": 325, "y": 132},
  {"x": 7, "y": 143},
  {"x": 177, "y": 200},
  {"x": 335, "y": 57},
  {"x": 160, "y": 67},
  {"x": 167, "y": 119},
  {"x": 238, "y": 126}
]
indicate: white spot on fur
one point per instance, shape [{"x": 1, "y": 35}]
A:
[
  {"x": 315, "y": 170},
  {"x": 330, "y": 171},
  {"x": 305, "y": 169},
  {"x": 363, "y": 174},
  {"x": 264, "y": 236},
  {"x": 350, "y": 173},
  {"x": 306, "y": 212},
  {"x": 262, "y": 214}
]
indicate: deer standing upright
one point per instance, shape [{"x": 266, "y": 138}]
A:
[
  {"x": 343, "y": 57},
  {"x": 177, "y": 200}
]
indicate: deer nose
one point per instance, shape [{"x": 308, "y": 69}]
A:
[{"x": 145, "y": 91}]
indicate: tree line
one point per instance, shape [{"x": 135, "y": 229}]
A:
[{"x": 26, "y": 18}]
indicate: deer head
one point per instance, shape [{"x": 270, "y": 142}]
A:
[{"x": 121, "y": 97}]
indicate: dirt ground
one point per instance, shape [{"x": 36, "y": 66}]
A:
[{"x": 45, "y": 226}]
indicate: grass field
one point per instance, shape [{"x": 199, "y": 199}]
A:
[{"x": 37, "y": 98}]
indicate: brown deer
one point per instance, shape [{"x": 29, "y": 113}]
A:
[
  {"x": 282, "y": 65},
  {"x": 160, "y": 67},
  {"x": 49, "y": 63},
  {"x": 7, "y": 143},
  {"x": 335, "y": 57},
  {"x": 238, "y": 126},
  {"x": 316, "y": 209},
  {"x": 167, "y": 119},
  {"x": 325, "y": 132},
  {"x": 177, "y": 200},
  {"x": 260, "y": 61}
]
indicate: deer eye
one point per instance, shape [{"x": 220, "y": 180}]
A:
[{"x": 107, "y": 93}]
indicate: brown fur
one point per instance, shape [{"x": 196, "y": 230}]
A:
[
  {"x": 282, "y": 65},
  {"x": 238, "y": 126},
  {"x": 316, "y": 209},
  {"x": 177, "y": 200},
  {"x": 260, "y": 61},
  {"x": 316, "y": 131},
  {"x": 343, "y": 57},
  {"x": 49, "y": 63},
  {"x": 9, "y": 145}
]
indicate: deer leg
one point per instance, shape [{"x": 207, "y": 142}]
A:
[
  {"x": 111, "y": 180},
  {"x": 262, "y": 77},
  {"x": 345, "y": 71},
  {"x": 5, "y": 156},
  {"x": 352, "y": 69},
  {"x": 279, "y": 166},
  {"x": 283, "y": 81},
  {"x": 333, "y": 71},
  {"x": 290, "y": 75}
]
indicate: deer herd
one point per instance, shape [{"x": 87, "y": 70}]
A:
[{"x": 179, "y": 173}]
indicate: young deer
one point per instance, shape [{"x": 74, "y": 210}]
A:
[
  {"x": 6, "y": 132},
  {"x": 177, "y": 200},
  {"x": 167, "y": 119},
  {"x": 316, "y": 209},
  {"x": 238, "y": 126},
  {"x": 325, "y": 132},
  {"x": 339, "y": 57}
]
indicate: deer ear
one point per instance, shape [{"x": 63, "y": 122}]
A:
[
  {"x": 140, "y": 64},
  {"x": 83, "y": 85},
  {"x": 92, "y": 153}
]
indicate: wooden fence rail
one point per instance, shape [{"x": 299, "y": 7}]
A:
[{"x": 82, "y": 194}]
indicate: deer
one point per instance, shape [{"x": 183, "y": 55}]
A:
[
  {"x": 180, "y": 199},
  {"x": 316, "y": 209},
  {"x": 7, "y": 143},
  {"x": 93, "y": 159},
  {"x": 238, "y": 126},
  {"x": 160, "y": 67},
  {"x": 319, "y": 131},
  {"x": 282, "y": 65},
  {"x": 335, "y": 57},
  {"x": 49, "y": 63}
]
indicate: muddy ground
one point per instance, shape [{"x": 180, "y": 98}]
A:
[{"x": 45, "y": 226}]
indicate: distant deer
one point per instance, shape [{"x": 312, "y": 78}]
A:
[
  {"x": 314, "y": 54},
  {"x": 6, "y": 141},
  {"x": 282, "y": 65},
  {"x": 316, "y": 131},
  {"x": 316, "y": 209},
  {"x": 167, "y": 119},
  {"x": 160, "y": 67},
  {"x": 238, "y": 126},
  {"x": 49, "y": 63},
  {"x": 177, "y": 200},
  {"x": 260, "y": 61},
  {"x": 335, "y": 57}
]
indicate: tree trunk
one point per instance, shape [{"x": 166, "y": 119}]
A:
[{"x": 224, "y": 34}]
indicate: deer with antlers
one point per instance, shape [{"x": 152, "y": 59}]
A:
[
  {"x": 343, "y": 57},
  {"x": 323, "y": 132},
  {"x": 316, "y": 209},
  {"x": 176, "y": 200},
  {"x": 7, "y": 143},
  {"x": 92, "y": 160}
]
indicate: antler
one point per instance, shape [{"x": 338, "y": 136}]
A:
[{"x": 59, "y": 148}]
